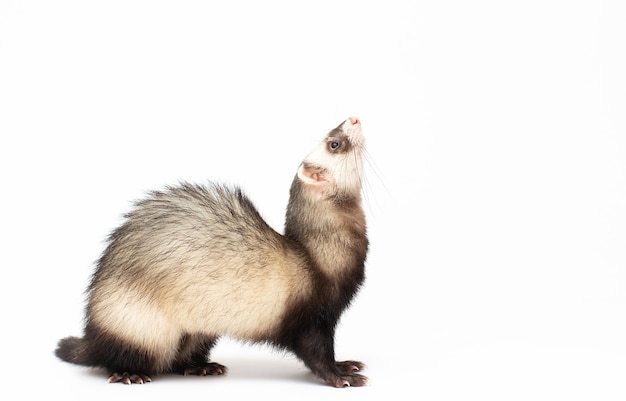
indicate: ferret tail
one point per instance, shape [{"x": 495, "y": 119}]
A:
[{"x": 74, "y": 350}]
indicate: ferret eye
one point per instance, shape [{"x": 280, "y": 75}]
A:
[{"x": 334, "y": 145}]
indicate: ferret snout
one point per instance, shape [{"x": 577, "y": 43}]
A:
[
  {"x": 351, "y": 124},
  {"x": 352, "y": 128}
]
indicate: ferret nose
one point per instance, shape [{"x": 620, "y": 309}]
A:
[{"x": 352, "y": 127}]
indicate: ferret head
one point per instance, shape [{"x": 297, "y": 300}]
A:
[{"x": 333, "y": 169}]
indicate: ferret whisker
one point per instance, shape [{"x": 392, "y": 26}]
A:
[
  {"x": 372, "y": 169},
  {"x": 375, "y": 169}
]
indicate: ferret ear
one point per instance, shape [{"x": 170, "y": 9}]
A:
[{"x": 311, "y": 175}]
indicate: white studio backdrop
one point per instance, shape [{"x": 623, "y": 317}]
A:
[{"x": 496, "y": 178}]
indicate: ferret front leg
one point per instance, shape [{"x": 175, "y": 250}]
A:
[
  {"x": 316, "y": 349},
  {"x": 192, "y": 358}
]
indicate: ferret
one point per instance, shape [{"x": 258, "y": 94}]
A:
[{"x": 193, "y": 263}]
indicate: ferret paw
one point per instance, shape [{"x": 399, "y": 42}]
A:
[
  {"x": 128, "y": 378},
  {"x": 350, "y": 366},
  {"x": 210, "y": 369},
  {"x": 347, "y": 374},
  {"x": 348, "y": 380}
]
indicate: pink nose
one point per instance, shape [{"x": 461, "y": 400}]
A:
[{"x": 354, "y": 120}]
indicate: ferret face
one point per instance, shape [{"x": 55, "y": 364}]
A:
[{"x": 334, "y": 167}]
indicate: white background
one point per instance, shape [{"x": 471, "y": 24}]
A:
[{"x": 496, "y": 186}]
